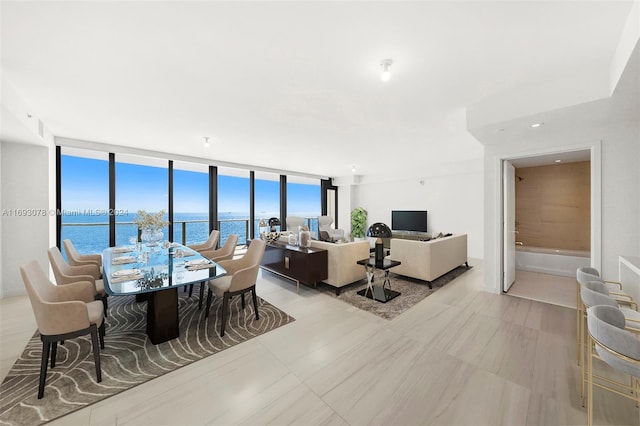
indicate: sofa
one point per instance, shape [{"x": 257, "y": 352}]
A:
[
  {"x": 342, "y": 258},
  {"x": 428, "y": 260}
]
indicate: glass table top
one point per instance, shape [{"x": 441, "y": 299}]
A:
[{"x": 131, "y": 271}]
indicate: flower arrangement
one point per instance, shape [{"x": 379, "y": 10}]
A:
[{"x": 150, "y": 221}]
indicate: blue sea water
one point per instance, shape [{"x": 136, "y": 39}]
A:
[{"x": 90, "y": 233}]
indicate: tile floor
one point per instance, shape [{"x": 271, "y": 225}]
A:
[
  {"x": 460, "y": 357},
  {"x": 552, "y": 289}
]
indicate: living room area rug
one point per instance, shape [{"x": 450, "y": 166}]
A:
[
  {"x": 128, "y": 359},
  {"x": 411, "y": 291}
]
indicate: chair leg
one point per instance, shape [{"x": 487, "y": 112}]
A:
[
  {"x": 255, "y": 301},
  {"x": 589, "y": 382},
  {"x": 209, "y": 295},
  {"x": 43, "y": 367},
  {"x": 190, "y": 290},
  {"x": 54, "y": 351},
  {"x": 578, "y": 319},
  {"x": 242, "y": 297},
  {"x": 105, "y": 304},
  {"x": 96, "y": 352},
  {"x": 202, "y": 284},
  {"x": 225, "y": 308},
  {"x": 101, "y": 334}
]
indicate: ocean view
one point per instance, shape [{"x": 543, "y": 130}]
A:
[{"x": 90, "y": 233}]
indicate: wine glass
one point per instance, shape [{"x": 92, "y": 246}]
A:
[{"x": 134, "y": 242}]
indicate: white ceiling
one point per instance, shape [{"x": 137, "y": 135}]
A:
[{"x": 294, "y": 85}]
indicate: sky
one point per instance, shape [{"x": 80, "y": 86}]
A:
[{"x": 85, "y": 185}]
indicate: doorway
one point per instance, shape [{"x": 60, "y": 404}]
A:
[{"x": 550, "y": 223}]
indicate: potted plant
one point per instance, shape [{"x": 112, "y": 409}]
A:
[{"x": 358, "y": 222}]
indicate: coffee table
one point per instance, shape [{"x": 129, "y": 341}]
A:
[
  {"x": 382, "y": 293},
  {"x": 157, "y": 278}
]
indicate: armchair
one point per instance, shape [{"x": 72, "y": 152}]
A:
[
  {"x": 294, "y": 221},
  {"x": 241, "y": 277},
  {"x": 223, "y": 253},
  {"x": 67, "y": 274},
  {"x": 210, "y": 244},
  {"x": 324, "y": 224},
  {"x": 77, "y": 259},
  {"x": 62, "y": 312}
]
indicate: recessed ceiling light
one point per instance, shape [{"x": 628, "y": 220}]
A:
[
  {"x": 558, "y": 161},
  {"x": 353, "y": 169},
  {"x": 537, "y": 124},
  {"x": 206, "y": 142}
]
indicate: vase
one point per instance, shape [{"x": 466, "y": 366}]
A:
[
  {"x": 151, "y": 236},
  {"x": 305, "y": 239}
]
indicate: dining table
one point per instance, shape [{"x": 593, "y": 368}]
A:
[{"x": 155, "y": 273}]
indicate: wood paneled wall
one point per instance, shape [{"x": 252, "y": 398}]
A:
[{"x": 553, "y": 206}]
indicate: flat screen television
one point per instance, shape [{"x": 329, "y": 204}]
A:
[{"x": 409, "y": 220}]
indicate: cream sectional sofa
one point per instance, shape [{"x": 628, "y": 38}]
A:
[
  {"x": 428, "y": 260},
  {"x": 342, "y": 258}
]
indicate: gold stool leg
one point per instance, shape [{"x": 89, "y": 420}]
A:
[{"x": 590, "y": 382}]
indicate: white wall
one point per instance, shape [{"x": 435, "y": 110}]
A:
[
  {"x": 620, "y": 183},
  {"x": 454, "y": 201},
  {"x": 24, "y": 175}
]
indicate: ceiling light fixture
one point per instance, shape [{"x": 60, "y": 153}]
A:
[
  {"x": 558, "y": 161},
  {"x": 353, "y": 169},
  {"x": 385, "y": 65},
  {"x": 206, "y": 142},
  {"x": 534, "y": 125}
]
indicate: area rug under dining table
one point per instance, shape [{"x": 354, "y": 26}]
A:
[{"x": 128, "y": 359}]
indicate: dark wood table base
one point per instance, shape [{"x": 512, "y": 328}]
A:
[{"x": 162, "y": 315}]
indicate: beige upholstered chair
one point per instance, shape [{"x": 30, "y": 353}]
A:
[
  {"x": 617, "y": 347},
  {"x": 324, "y": 224},
  {"x": 67, "y": 274},
  {"x": 223, "y": 253},
  {"x": 210, "y": 244},
  {"x": 586, "y": 274},
  {"x": 294, "y": 221},
  {"x": 594, "y": 293},
  {"x": 241, "y": 277},
  {"x": 62, "y": 312},
  {"x": 77, "y": 259}
]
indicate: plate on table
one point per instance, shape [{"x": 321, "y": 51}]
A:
[
  {"x": 126, "y": 272},
  {"x": 197, "y": 262},
  {"x": 123, "y": 259}
]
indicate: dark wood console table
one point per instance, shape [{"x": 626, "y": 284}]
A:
[{"x": 299, "y": 264}]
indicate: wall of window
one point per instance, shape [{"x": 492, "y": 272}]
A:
[
  {"x": 84, "y": 178},
  {"x": 233, "y": 203},
  {"x": 141, "y": 184},
  {"x": 303, "y": 199},
  {"x": 190, "y": 202}
]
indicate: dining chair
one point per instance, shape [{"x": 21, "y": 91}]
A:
[
  {"x": 618, "y": 348},
  {"x": 62, "y": 312},
  {"x": 77, "y": 259},
  {"x": 595, "y": 293},
  {"x": 223, "y": 253},
  {"x": 67, "y": 274},
  {"x": 210, "y": 244},
  {"x": 586, "y": 274},
  {"x": 241, "y": 277}
]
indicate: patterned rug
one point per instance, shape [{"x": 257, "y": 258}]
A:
[
  {"x": 412, "y": 291},
  {"x": 128, "y": 359}
]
